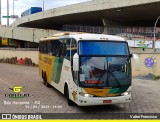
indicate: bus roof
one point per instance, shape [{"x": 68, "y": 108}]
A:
[
  {"x": 83, "y": 36},
  {"x": 58, "y": 35},
  {"x": 49, "y": 38},
  {"x": 90, "y": 36}
]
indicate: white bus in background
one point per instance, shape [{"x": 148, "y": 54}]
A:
[{"x": 89, "y": 69}]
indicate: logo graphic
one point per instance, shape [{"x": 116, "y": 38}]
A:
[
  {"x": 6, "y": 116},
  {"x": 74, "y": 93},
  {"x": 17, "y": 93},
  {"x": 144, "y": 44},
  {"x": 17, "y": 89},
  {"x": 150, "y": 62}
]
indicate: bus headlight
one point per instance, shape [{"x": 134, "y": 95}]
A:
[
  {"x": 85, "y": 94},
  {"x": 126, "y": 93}
]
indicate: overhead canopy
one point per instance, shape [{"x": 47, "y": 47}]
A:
[{"x": 130, "y": 15}]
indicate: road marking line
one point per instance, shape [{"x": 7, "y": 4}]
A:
[{"x": 6, "y": 82}]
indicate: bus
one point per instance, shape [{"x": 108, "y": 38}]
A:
[
  {"x": 31, "y": 10},
  {"x": 89, "y": 69}
]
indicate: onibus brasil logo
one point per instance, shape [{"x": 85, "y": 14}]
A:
[{"x": 17, "y": 92}]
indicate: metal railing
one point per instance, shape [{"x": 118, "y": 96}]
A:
[{"x": 130, "y": 32}]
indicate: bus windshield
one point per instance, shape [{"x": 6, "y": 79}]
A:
[
  {"x": 104, "y": 64},
  {"x": 105, "y": 71},
  {"x": 103, "y": 48}
]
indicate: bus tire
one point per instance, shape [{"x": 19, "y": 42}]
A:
[
  {"x": 47, "y": 84},
  {"x": 45, "y": 81},
  {"x": 66, "y": 93},
  {"x": 43, "y": 77}
]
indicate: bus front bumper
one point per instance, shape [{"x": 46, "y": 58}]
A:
[{"x": 90, "y": 101}]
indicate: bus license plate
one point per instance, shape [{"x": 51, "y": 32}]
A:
[{"x": 107, "y": 101}]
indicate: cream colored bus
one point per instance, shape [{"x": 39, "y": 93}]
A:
[{"x": 89, "y": 69}]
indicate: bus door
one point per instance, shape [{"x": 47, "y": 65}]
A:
[
  {"x": 73, "y": 50},
  {"x": 58, "y": 60}
]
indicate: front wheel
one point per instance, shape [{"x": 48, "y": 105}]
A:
[{"x": 70, "y": 102}]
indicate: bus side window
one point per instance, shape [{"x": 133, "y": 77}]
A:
[
  {"x": 56, "y": 48},
  {"x": 40, "y": 47},
  {"x": 49, "y": 47},
  {"x": 64, "y": 49},
  {"x": 72, "y": 48},
  {"x": 67, "y": 42},
  {"x": 43, "y": 46},
  {"x": 53, "y": 48}
]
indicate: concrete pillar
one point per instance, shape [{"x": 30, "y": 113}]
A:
[{"x": 109, "y": 24}]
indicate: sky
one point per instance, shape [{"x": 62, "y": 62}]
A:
[{"x": 22, "y": 5}]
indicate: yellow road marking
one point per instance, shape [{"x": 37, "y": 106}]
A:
[{"x": 6, "y": 82}]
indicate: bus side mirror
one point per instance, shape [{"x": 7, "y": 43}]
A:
[
  {"x": 76, "y": 62},
  {"x": 137, "y": 61},
  {"x": 131, "y": 55}
]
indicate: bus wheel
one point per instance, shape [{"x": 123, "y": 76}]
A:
[
  {"x": 45, "y": 81},
  {"x": 43, "y": 77},
  {"x": 70, "y": 102},
  {"x": 47, "y": 84}
]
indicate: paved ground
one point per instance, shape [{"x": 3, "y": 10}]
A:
[{"x": 145, "y": 95}]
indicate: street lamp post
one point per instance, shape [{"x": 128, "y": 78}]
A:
[
  {"x": 0, "y": 13},
  {"x": 43, "y": 5},
  {"x": 8, "y": 12},
  {"x": 13, "y": 10},
  {"x": 154, "y": 41}
]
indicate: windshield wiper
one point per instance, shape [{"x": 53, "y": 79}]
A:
[
  {"x": 104, "y": 71},
  {"x": 111, "y": 72},
  {"x": 100, "y": 77}
]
